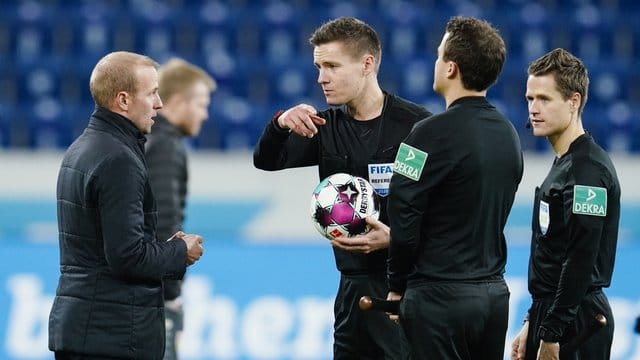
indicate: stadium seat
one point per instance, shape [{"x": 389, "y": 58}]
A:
[
  {"x": 65, "y": 35},
  {"x": 259, "y": 53},
  {"x": 36, "y": 78},
  {"x": 186, "y": 37},
  {"x": 6, "y": 114},
  {"x": 48, "y": 125}
]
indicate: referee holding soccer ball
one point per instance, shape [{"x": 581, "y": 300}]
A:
[{"x": 359, "y": 136}]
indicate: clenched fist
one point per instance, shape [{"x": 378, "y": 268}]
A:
[{"x": 194, "y": 247}]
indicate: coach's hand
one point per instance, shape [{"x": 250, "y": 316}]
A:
[
  {"x": 519, "y": 344},
  {"x": 194, "y": 247},
  {"x": 377, "y": 238},
  {"x": 302, "y": 120}
]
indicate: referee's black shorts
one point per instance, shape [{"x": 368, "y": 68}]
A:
[
  {"x": 456, "y": 320},
  {"x": 597, "y": 347},
  {"x": 365, "y": 335}
]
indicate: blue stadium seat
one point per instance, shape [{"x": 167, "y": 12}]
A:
[
  {"x": 620, "y": 121},
  {"x": 95, "y": 37},
  {"x": 402, "y": 42},
  {"x": 29, "y": 43},
  {"x": 259, "y": 53},
  {"x": 511, "y": 85},
  {"x": 73, "y": 88},
  {"x": 210, "y": 136},
  {"x": 8, "y": 29},
  {"x": 232, "y": 116},
  {"x": 390, "y": 75},
  {"x": 635, "y": 128},
  {"x": 48, "y": 124},
  {"x": 279, "y": 28},
  {"x": 186, "y": 36},
  {"x": 247, "y": 80},
  {"x": 9, "y": 82},
  {"x": 293, "y": 81},
  {"x": 78, "y": 117},
  {"x": 66, "y": 34},
  {"x": 416, "y": 79},
  {"x": 158, "y": 41},
  {"x": 596, "y": 122},
  {"x": 6, "y": 115},
  {"x": 38, "y": 77},
  {"x": 278, "y": 45}
]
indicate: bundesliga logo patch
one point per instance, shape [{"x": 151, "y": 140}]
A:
[
  {"x": 410, "y": 162},
  {"x": 589, "y": 200}
]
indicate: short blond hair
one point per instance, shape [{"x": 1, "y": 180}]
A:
[
  {"x": 177, "y": 76},
  {"x": 114, "y": 73}
]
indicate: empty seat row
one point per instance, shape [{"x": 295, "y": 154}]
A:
[{"x": 258, "y": 52}]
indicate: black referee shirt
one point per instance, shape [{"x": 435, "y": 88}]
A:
[
  {"x": 575, "y": 230},
  {"x": 345, "y": 145},
  {"x": 454, "y": 183}
]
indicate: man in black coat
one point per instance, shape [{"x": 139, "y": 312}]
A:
[
  {"x": 185, "y": 91},
  {"x": 109, "y": 301}
]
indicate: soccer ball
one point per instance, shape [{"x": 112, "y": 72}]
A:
[{"x": 340, "y": 204}]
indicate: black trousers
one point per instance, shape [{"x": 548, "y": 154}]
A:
[
  {"x": 173, "y": 319},
  {"x": 365, "y": 335},
  {"x": 456, "y": 320},
  {"x": 597, "y": 347}
]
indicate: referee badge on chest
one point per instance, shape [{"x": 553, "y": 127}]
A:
[
  {"x": 380, "y": 177},
  {"x": 543, "y": 217}
]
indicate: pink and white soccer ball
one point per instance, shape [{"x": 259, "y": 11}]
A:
[{"x": 340, "y": 203}]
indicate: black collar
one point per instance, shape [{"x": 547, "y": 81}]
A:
[
  {"x": 163, "y": 125},
  {"x": 106, "y": 120},
  {"x": 469, "y": 100}
]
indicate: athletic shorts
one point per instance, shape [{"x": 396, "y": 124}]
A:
[
  {"x": 365, "y": 335},
  {"x": 456, "y": 320},
  {"x": 597, "y": 347}
]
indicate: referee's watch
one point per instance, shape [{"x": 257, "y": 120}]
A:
[{"x": 547, "y": 335}]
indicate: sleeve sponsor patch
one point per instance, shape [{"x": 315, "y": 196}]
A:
[
  {"x": 589, "y": 200},
  {"x": 410, "y": 162}
]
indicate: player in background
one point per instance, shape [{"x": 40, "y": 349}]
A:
[
  {"x": 109, "y": 301},
  {"x": 185, "y": 90},
  {"x": 575, "y": 219},
  {"x": 358, "y": 135},
  {"x": 455, "y": 179}
]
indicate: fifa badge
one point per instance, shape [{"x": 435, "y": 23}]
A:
[
  {"x": 380, "y": 177},
  {"x": 543, "y": 217}
]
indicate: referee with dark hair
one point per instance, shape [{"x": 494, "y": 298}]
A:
[{"x": 455, "y": 179}]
